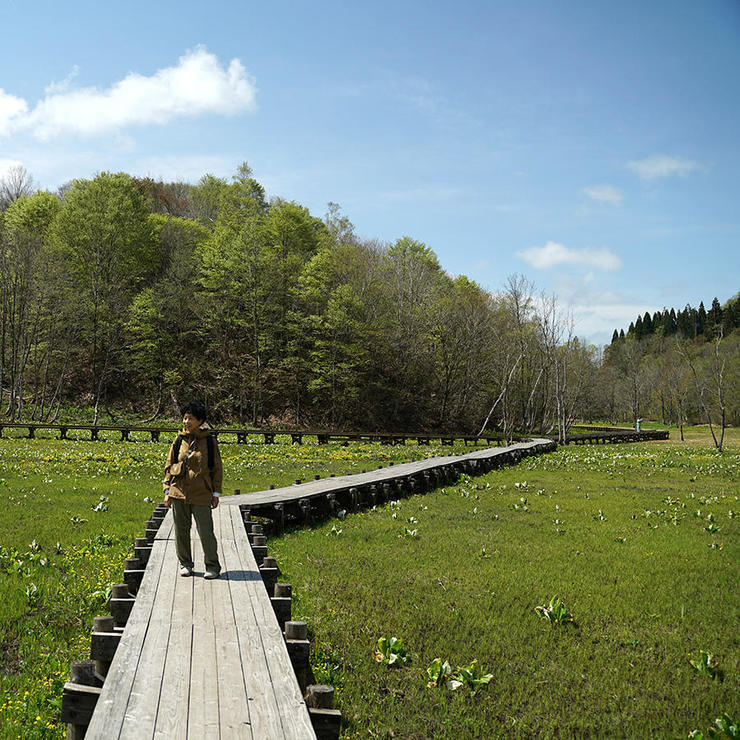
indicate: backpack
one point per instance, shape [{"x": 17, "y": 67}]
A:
[{"x": 209, "y": 441}]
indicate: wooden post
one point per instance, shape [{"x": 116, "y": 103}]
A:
[
  {"x": 150, "y": 532},
  {"x": 270, "y": 573},
  {"x": 259, "y": 546},
  {"x": 282, "y": 603},
  {"x": 133, "y": 574},
  {"x": 325, "y": 719},
  {"x": 142, "y": 550},
  {"x": 279, "y": 519},
  {"x": 296, "y": 640},
  {"x": 120, "y": 604},
  {"x": 103, "y": 643},
  {"x": 79, "y": 698}
]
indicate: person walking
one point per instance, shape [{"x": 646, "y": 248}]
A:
[{"x": 192, "y": 486}]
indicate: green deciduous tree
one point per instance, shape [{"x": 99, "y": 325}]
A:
[{"x": 104, "y": 238}]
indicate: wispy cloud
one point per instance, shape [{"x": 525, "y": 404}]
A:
[
  {"x": 424, "y": 192},
  {"x": 554, "y": 254},
  {"x": 660, "y": 165},
  {"x": 424, "y": 97},
  {"x": 183, "y": 168},
  {"x": 597, "y": 320},
  {"x": 604, "y": 194},
  {"x": 197, "y": 84}
]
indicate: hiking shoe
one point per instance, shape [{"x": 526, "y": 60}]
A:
[
  {"x": 210, "y": 575},
  {"x": 185, "y": 571}
]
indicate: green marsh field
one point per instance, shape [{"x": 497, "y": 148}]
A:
[{"x": 639, "y": 542}]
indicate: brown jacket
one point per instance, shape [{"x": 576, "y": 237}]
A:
[{"x": 195, "y": 484}]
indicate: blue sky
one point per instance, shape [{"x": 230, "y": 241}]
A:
[{"x": 592, "y": 146}]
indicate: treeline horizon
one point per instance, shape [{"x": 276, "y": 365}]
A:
[
  {"x": 124, "y": 294},
  {"x": 688, "y": 323}
]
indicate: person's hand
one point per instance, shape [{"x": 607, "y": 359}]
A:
[
  {"x": 167, "y": 500},
  {"x": 214, "y": 502}
]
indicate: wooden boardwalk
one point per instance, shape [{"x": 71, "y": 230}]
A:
[
  {"x": 202, "y": 659},
  {"x": 208, "y": 659}
]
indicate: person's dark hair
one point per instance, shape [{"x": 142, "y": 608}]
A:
[{"x": 196, "y": 409}]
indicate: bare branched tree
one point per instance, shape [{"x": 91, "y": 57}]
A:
[{"x": 16, "y": 183}]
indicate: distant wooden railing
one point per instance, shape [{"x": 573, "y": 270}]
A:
[
  {"x": 297, "y": 436},
  {"x": 595, "y": 435},
  {"x": 617, "y": 436}
]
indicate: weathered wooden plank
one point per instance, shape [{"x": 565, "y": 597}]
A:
[
  {"x": 111, "y": 709},
  {"x": 293, "y": 713},
  {"x": 263, "y": 707},
  {"x": 172, "y": 713},
  {"x": 313, "y": 489},
  {"x": 203, "y": 719},
  {"x": 233, "y": 700},
  {"x": 166, "y": 529},
  {"x": 141, "y": 710}
]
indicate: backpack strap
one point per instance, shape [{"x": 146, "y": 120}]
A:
[
  {"x": 176, "y": 448},
  {"x": 211, "y": 453}
]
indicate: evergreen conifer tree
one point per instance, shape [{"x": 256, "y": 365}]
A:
[
  {"x": 684, "y": 323},
  {"x": 658, "y": 323},
  {"x": 647, "y": 325},
  {"x": 714, "y": 319},
  {"x": 701, "y": 319},
  {"x": 672, "y": 323},
  {"x": 639, "y": 330}
]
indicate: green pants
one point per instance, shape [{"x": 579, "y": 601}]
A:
[{"x": 183, "y": 515}]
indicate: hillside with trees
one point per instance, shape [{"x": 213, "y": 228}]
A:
[
  {"x": 124, "y": 294},
  {"x": 678, "y": 366}
]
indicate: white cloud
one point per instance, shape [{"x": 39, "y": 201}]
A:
[
  {"x": 196, "y": 84},
  {"x": 11, "y": 110},
  {"x": 553, "y": 254},
  {"x": 659, "y": 165},
  {"x": 64, "y": 85},
  {"x": 604, "y": 194}
]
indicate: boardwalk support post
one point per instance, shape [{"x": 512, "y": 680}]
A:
[
  {"x": 325, "y": 719},
  {"x": 79, "y": 698},
  {"x": 296, "y": 640},
  {"x": 133, "y": 574},
  {"x": 120, "y": 604},
  {"x": 270, "y": 573},
  {"x": 282, "y": 603},
  {"x": 103, "y": 644},
  {"x": 142, "y": 550},
  {"x": 259, "y": 547}
]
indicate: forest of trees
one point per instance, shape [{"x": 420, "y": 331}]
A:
[
  {"x": 125, "y": 294},
  {"x": 690, "y": 323}
]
